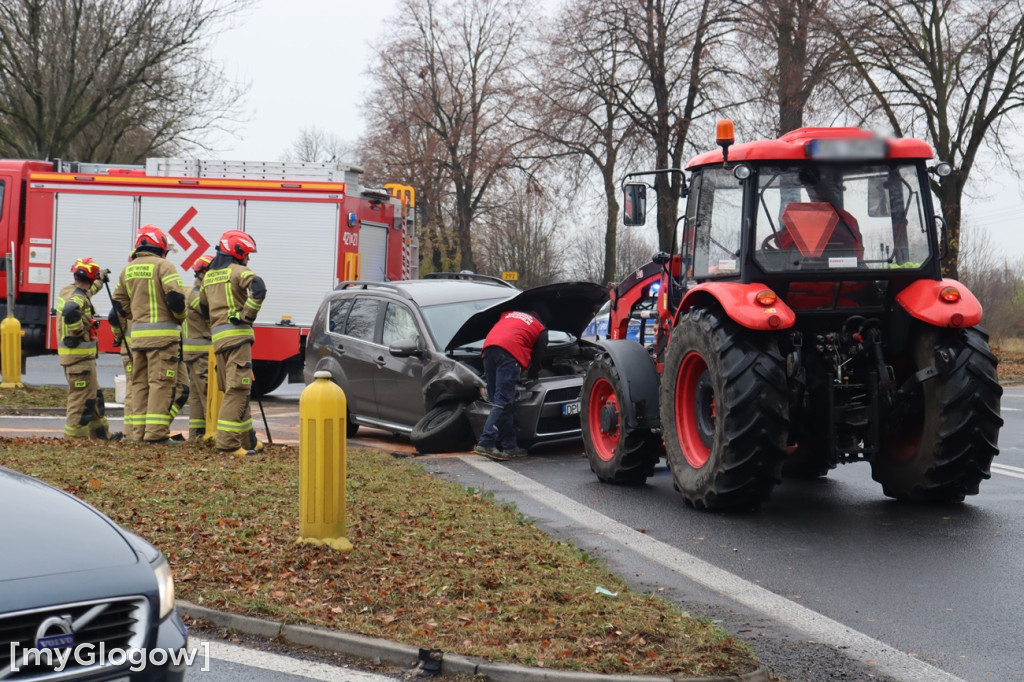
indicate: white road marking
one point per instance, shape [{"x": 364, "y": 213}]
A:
[
  {"x": 284, "y": 664},
  {"x": 1005, "y": 470},
  {"x": 888, "y": 660}
]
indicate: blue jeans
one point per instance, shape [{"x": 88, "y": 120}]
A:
[{"x": 501, "y": 371}]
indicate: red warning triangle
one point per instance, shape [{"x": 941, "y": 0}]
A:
[{"x": 811, "y": 224}]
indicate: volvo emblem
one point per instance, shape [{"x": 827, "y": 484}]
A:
[{"x": 55, "y": 633}]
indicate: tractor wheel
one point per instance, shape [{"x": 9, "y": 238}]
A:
[
  {"x": 942, "y": 444},
  {"x": 617, "y": 453},
  {"x": 724, "y": 411}
]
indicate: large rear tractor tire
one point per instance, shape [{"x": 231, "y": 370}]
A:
[
  {"x": 941, "y": 446},
  {"x": 445, "y": 428},
  {"x": 724, "y": 411},
  {"x": 617, "y": 453}
]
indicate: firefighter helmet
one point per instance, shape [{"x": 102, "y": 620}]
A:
[
  {"x": 237, "y": 243},
  {"x": 151, "y": 235},
  {"x": 202, "y": 264},
  {"x": 86, "y": 268}
]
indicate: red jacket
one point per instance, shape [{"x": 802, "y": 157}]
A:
[{"x": 517, "y": 333}]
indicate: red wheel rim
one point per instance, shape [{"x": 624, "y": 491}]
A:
[
  {"x": 695, "y": 410},
  {"x": 605, "y": 444}
]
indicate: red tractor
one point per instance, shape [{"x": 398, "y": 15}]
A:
[{"x": 803, "y": 323}]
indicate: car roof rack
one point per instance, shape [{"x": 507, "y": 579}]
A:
[
  {"x": 359, "y": 284},
  {"x": 469, "y": 276}
]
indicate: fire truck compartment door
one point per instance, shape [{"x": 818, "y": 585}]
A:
[
  {"x": 101, "y": 226},
  {"x": 296, "y": 255},
  {"x": 373, "y": 247}
]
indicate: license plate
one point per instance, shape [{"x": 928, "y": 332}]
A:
[{"x": 570, "y": 409}]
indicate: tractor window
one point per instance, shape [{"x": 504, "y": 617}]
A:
[
  {"x": 717, "y": 225},
  {"x": 834, "y": 217}
]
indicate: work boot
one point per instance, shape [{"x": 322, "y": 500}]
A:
[
  {"x": 196, "y": 434},
  {"x": 116, "y": 435},
  {"x": 256, "y": 449},
  {"x": 514, "y": 452},
  {"x": 166, "y": 441},
  {"x": 238, "y": 452},
  {"x": 176, "y": 437},
  {"x": 490, "y": 453}
]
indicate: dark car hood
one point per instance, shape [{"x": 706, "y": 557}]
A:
[
  {"x": 44, "y": 532},
  {"x": 566, "y": 306}
]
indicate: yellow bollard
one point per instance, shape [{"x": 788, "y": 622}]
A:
[
  {"x": 214, "y": 397},
  {"x": 10, "y": 352},
  {"x": 322, "y": 464}
]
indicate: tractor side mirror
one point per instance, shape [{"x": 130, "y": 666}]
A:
[{"x": 634, "y": 204}]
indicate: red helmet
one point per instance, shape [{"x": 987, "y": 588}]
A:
[
  {"x": 202, "y": 264},
  {"x": 86, "y": 268},
  {"x": 151, "y": 235},
  {"x": 237, "y": 243}
]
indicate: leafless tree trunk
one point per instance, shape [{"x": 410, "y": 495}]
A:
[
  {"x": 673, "y": 46},
  {"x": 790, "y": 53},
  {"x": 579, "y": 103},
  {"x": 459, "y": 61},
  {"x": 951, "y": 72},
  {"x": 110, "y": 80}
]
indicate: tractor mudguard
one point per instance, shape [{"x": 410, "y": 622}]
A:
[
  {"x": 640, "y": 383},
  {"x": 923, "y": 300},
  {"x": 739, "y": 302}
]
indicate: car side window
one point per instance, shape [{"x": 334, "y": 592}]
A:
[
  {"x": 399, "y": 324},
  {"x": 362, "y": 320},
  {"x": 336, "y": 315}
]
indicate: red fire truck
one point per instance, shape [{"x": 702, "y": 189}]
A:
[{"x": 314, "y": 225}]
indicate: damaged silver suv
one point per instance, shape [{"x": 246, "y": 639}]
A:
[{"x": 408, "y": 356}]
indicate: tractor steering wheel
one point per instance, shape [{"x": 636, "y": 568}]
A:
[{"x": 768, "y": 245}]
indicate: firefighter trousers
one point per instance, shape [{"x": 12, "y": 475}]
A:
[
  {"x": 234, "y": 376},
  {"x": 133, "y": 428},
  {"x": 155, "y": 386},
  {"x": 198, "y": 381},
  {"x": 86, "y": 413}
]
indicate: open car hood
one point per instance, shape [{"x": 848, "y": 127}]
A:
[{"x": 567, "y": 307}]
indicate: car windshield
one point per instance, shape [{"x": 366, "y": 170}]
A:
[
  {"x": 826, "y": 217},
  {"x": 446, "y": 319}
]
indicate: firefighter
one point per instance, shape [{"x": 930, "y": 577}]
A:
[
  {"x": 196, "y": 332},
  {"x": 151, "y": 295},
  {"x": 231, "y": 296},
  {"x": 76, "y": 350}
]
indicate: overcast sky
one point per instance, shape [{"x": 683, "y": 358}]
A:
[{"x": 306, "y": 61}]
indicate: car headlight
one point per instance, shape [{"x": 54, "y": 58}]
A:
[{"x": 165, "y": 585}]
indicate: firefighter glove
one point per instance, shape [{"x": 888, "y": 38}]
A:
[
  {"x": 72, "y": 341},
  {"x": 175, "y": 302},
  {"x": 105, "y": 275}
]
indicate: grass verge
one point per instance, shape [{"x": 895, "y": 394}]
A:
[
  {"x": 433, "y": 564},
  {"x": 14, "y": 399}
]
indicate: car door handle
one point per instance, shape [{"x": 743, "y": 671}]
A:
[
  {"x": 380, "y": 361},
  {"x": 339, "y": 348}
]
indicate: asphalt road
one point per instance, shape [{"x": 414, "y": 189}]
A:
[{"x": 830, "y": 580}]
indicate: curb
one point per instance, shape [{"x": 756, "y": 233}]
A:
[{"x": 383, "y": 650}]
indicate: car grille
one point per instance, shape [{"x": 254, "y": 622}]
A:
[
  {"x": 562, "y": 395},
  {"x": 112, "y": 624}
]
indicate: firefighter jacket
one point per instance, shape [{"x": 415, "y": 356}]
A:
[
  {"x": 196, "y": 329},
  {"x": 152, "y": 295},
  {"x": 76, "y": 324},
  {"x": 233, "y": 295}
]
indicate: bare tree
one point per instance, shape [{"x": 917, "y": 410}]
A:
[
  {"x": 580, "y": 106},
  {"x": 520, "y": 236},
  {"x": 952, "y": 72},
  {"x": 110, "y": 80},
  {"x": 673, "y": 45},
  {"x": 459, "y": 61},
  {"x": 317, "y": 145},
  {"x": 632, "y": 250},
  {"x": 791, "y": 54}
]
